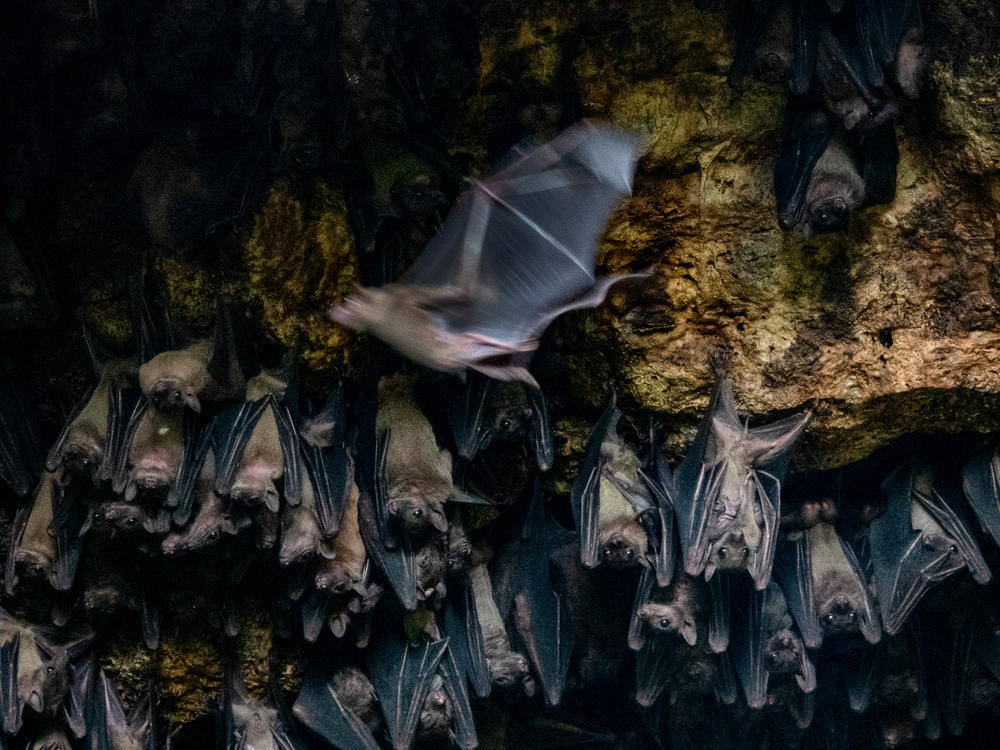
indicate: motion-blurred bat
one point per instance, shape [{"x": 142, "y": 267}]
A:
[
  {"x": 825, "y": 586},
  {"x": 342, "y": 710},
  {"x": 615, "y": 512},
  {"x": 919, "y": 542},
  {"x": 727, "y": 490},
  {"x": 258, "y": 446},
  {"x": 213, "y": 369},
  {"x": 522, "y": 587},
  {"x": 515, "y": 254},
  {"x": 491, "y": 411},
  {"x": 822, "y": 174}
]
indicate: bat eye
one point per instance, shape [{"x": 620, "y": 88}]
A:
[
  {"x": 50, "y": 669},
  {"x": 722, "y": 553},
  {"x": 97, "y": 515},
  {"x": 418, "y": 513},
  {"x": 664, "y": 623},
  {"x": 952, "y": 548},
  {"x": 746, "y": 553},
  {"x": 213, "y": 535},
  {"x": 505, "y": 424},
  {"x": 629, "y": 553},
  {"x": 130, "y": 522},
  {"x": 176, "y": 395},
  {"x": 773, "y": 657},
  {"x": 830, "y": 619},
  {"x": 853, "y": 616}
]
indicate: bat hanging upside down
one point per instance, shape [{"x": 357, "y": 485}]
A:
[{"x": 516, "y": 253}]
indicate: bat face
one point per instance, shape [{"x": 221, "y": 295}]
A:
[
  {"x": 730, "y": 552},
  {"x": 299, "y": 534},
  {"x": 511, "y": 671},
  {"x": 670, "y": 618},
  {"x": 835, "y": 189},
  {"x": 124, "y": 517},
  {"x": 784, "y": 653},
  {"x": 431, "y": 568},
  {"x": 436, "y": 713},
  {"x": 176, "y": 379},
  {"x": 208, "y": 527},
  {"x": 416, "y": 514},
  {"x": 839, "y": 594},
  {"x": 623, "y": 543},
  {"x": 357, "y": 693}
]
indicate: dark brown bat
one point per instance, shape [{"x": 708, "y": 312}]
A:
[
  {"x": 516, "y": 253},
  {"x": 681, "y": 609},
  {"x": 45, "y": 539},
  {"x": 508, "y": 669}
]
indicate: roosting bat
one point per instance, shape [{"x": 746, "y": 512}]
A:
[
  {"x": 250, "y": 723},
  {"x": 109, "y": 727},
  {"x": 45, "y": 540},
  {"x": 825, "y": 586},
  {"x": 981, "y": 484},
  {"x": 766, "y": 644},
  {"x": 919, "y": 542},
  {"x": 151, "y": 454},
  {"x": 466, "y": 638},
  {"x": 329, "y": 463},
  {"x": 343, "y": 711},
  {"x": 727, "y": 490},
  {"x": 822, "y": 174},
  {"x": 213, "y": 369},
  {"x": 503, "y": 412},
  {"x": 516, "y": 253},
  {"x": 616, "y": 514},
  {"x": 259, "y": 445},
  {"x": 680, "y": 609},
  {"x": 524, "y": 594}
]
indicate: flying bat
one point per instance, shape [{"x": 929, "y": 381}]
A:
[
  {"x": 214, "y": 369},
  {"x": 920, "y": 541},
  {"x": 825, "y": 586},
  {"x": 516, "y": 253},
  {"x": 823, "y": 173},
  {"x": 727, "y": 490},
  {"x": 616, "y": 513}
]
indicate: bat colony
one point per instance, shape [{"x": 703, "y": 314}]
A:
[{"x": 406, "y": 539}]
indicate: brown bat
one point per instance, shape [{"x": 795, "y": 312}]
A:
[
  {"x": 508, "y": 669},
  {"x": 345, "y": 569},
  {"x": 301, "y": 537},
  {"x": 152, "y": 453},
  {"x": 417, "y": 472},
  {"x": 680, "y": 608}
]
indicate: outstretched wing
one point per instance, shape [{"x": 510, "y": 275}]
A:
[{"x": 522, "y": 243}]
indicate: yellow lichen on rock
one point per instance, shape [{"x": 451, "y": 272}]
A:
[
  {"x": 300, "y": 261},
  {"x": 189, "y": 676}
]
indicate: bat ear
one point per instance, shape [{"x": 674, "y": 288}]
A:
[
  {"x": 709, "y": 571},
  {"x": 191, "y": 401},
  {"x": 690, "y": 634},
  {"x": 229, "y": 526},
  {"x": 438, "y": 520}
]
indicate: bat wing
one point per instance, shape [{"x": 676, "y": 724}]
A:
[
  {"x": 18, "y": 441},
  {"x": 54, "y": 458},
  {"x": 541, "y": 428},
  {"x": 234, "y": 426},
  {"x": 726, "y": 683},
  {"x": 805, "y": 37},
  {"x": 585, "y": 497},
  {"x": 793, "y": 572},
  {"x": 106, "y": 717},
  {"x": 315, "y": 609},
  {"x": 288, "y": 436},
  {"x": 949, "y": 669},
  {"x": 748, "y": 641},
  {"x": 10, "y": 703},
  {"x": 453, "y": 678},
  {"x": 981, "y": 484},
  {"x": 544, "y": 212},
  {"x": 654, "y": 664},
  {"x": 67, "y": 507},
  {"x": 879, "y": 157},
  {"x": 120, "y": 469},
  {"x": 461, "y": 624},
  {"x": 328, "y": 463},
  {"x": 807, "y": 133},
  {"x": 319, "y": 709},
  {"x": 467, "y": 415},
  {"x": 402, "y": 673},
  {"x": 661, "y": 485},
  {"x": 718, "y": 621},
  {"x": 234, "y": 356},
  {"x": 196, "y": 452},
  {"x": 944, "y": 505},
  {"x": 637, "y": 630}
]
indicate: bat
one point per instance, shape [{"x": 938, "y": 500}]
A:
[
  {"x": 681, "y": 609},
  {"x": 822, "y": 173},
  {"x": 524, "y": 595},
  {"x": 514, "y": 254},
  {"x": 840, "y": 78},
  {"x": 258, "y": 445},
  {"x": 151, "y": 456},
  {"x": 981, "y": 486},
  {"x": 727, "y": 490},
  {"x": 212, "y": 369},
  {"x": 49, "y": 737},
  {"x": 612, "y": 502},
  {"x": 825, "y": 586},
  {"x": 466, "y": 641},
  {"x": 417, "y": 473},
  {"x": 250, "y": 723},
  {"x": 45, "y": 540},
  {"x": 766, "y": 645},
  {"x": 920, "y": 541},
  {"x": 507, "y": 412},
  {"x": 301, "y": 536},
  {"x": 108, "y": 725},
  {"x": 508, "y": 669},
  {"x": 329, "y": 464},
  {"x": 343, "y": 710}
]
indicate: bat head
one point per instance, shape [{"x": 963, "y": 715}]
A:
[
  {"x": 32, "y": 564},
  {"x": 983, "y": 692},
  {"x": 512, "y": 424},
  {"x": 900, "y": 688},
  {"x": 898, "y": 730},
  {"x": 416, "y": 515},
  {"x": 784, "y": 653},
  {"x": 838, "y": 615},
  {"x": 172, "y": 380},
  {"x": 619, "y": 550},
  {"x": 435, "y": 715},
  {"x": 126, "y": 517},
  {"x": 728, "y": 552},
  {"x": 83, "y": 453},
  {"x": 459, "y": 555},
  {"x": 54, "y": 680},
  {"x": 670, "y": 618},
  {"x": 336, "y": 577},
  {"x": 697, "y": 677},
  {"x": 103, "y": 600},
  {"x": 431, "y": 567},
  {"x": 511, "y": 670},
  {"x": 830, "y": 215}
]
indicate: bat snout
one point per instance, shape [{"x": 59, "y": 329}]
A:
[
  {"x": 618, "y": 551},
  {"x": 166, "y": 394}
]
